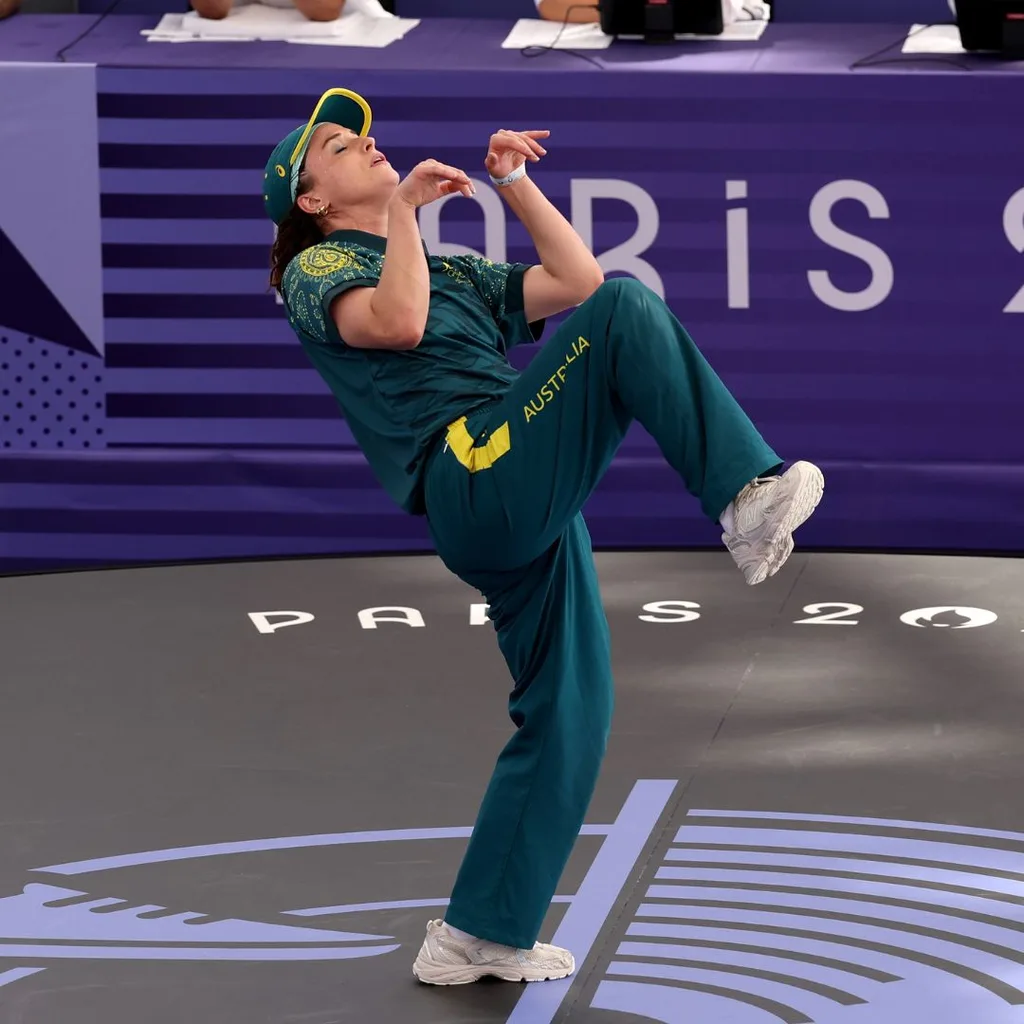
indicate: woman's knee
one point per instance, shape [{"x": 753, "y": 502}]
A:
[
  {"x": 626, "y": 289},
  {"x": 627, "y": 295}
]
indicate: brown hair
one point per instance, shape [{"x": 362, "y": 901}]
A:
[{"x": 298, "y": 231}]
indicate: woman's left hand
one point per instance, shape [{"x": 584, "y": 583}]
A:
[{"x": 509, "y": 150}]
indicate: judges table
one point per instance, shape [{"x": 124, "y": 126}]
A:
[{"x": 843, "y": 241}]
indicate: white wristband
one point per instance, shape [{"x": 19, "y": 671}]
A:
[{"x": 518, "y": 173}]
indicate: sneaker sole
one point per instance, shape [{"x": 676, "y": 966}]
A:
[
  {"x": 802, "y": 503},
  {"x": 466, "y": 974}
]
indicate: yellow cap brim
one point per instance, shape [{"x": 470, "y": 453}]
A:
[{"x": 336, "y": 106}]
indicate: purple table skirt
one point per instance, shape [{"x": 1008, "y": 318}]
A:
[{"x": 456, "y": 44}]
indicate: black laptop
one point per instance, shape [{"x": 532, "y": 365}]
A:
[{"x": 660, "y": 20}]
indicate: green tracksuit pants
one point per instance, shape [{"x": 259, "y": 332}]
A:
[{"x": 503, "y": 500}]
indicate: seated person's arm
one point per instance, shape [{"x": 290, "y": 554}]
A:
[
  {"x": 559, "y": 10},
  {"x": 215, "y": 9},
  {"x": 320, "y": 10}
]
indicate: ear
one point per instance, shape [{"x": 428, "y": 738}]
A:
[{"x": 309, "y": 203}]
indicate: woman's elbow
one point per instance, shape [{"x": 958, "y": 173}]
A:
[
  {"x": 403, "y": 342},
  {"x": 589, "y": 284},
  {"x": 410, "y": 340},
  {"x": 321, "y": 10},
  {"x": 569, "y": 10},
  {"x": 405, "y": 335},
  {"x": 215, "y": 10}
]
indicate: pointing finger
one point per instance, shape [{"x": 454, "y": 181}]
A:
[
  {"x": 535, "y": 145},
  {"x": 527, "y": 139},
  {"x": 452, "y": 173},
  {"x": 514, "y": 142}
]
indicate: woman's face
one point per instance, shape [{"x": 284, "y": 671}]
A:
[{"x": 345, "y": 170}]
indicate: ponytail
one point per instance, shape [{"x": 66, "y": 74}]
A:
[{"x": 298, "y": 231}]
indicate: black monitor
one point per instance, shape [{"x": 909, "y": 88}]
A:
[
  {"x": 996, "y": 25},
  {"x": 661, "y": 20}
]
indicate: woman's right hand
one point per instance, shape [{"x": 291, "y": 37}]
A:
[{"x": 430, "y": 180}]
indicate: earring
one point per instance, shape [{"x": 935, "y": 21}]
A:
[{"x": 321, "y": 210}]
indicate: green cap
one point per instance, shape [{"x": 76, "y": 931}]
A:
[{"x": 280, "y": 182}]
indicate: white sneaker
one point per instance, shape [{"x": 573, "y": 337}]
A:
[
  {"x": 767, "y": 511},
  {"x": 446, "y": 960}
]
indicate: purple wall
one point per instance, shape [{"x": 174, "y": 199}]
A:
[{"x": 870, "y": 334}]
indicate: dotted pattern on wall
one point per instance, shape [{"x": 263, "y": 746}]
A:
[{"x": 52, "y": 398}]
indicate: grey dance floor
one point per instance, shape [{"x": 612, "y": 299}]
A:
[{"x": 217, "y": 809}]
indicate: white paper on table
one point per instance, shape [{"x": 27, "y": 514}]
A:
[
  {"x": 748, "y": 31},
  {"x": 171, "y": 30},
  {"x": 369, "y": 32},
  {"x": 745, "y": 10},
  {"x": 538, "y": 32},
  {"x": 933, "y": 39},
  {"x": 262, "y": 22},
  {"x": 360, "y": 20}
]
